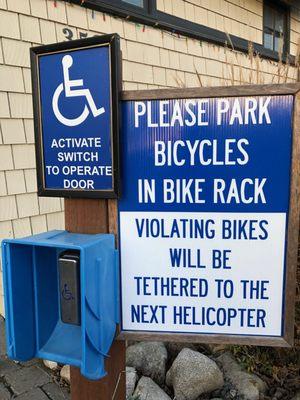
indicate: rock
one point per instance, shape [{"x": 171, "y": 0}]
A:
[
  {"x": 174, "y": 348},
  {"x": 50, "y": 364},
  {"x": 227, "y": 392},
  {"x": 149, "y": 390},
  {"x": 192, "y": 374},
  {"x": 131, "y": 378},
  {"x": 149, "y": 359},
  {"x": 65, "y": 373},
  {"x": 248, "y": 385}
]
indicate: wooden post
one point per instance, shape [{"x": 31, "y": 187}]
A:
[{"x": 97, "y": 216}]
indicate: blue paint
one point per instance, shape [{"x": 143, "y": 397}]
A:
[{"x": 93, "y": 67}]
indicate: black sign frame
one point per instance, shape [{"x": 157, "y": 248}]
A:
[{"x": 113, "y": 41}]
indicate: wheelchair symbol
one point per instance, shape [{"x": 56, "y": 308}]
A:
[
  {"x": 66, "y": 293},
  {"x": 68, "y": 85}
]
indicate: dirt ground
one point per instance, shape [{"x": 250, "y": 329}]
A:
[{"x": 279, "y": 368}]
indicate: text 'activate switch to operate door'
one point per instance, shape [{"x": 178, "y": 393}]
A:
[{"x": 69, "y": 282}]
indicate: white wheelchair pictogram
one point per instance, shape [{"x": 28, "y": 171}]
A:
[{"x": 69, "y": 86}]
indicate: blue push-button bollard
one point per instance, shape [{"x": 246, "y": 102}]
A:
[{"x": 37, "y": 277}]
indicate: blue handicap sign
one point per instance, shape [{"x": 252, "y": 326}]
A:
[{"x": 76, "y": 119}]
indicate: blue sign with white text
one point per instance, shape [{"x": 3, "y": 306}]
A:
[
  {"x": 203, "y": 214},
  {"x": 184, "y": 145},
  {"x": 75, "y": 102}
]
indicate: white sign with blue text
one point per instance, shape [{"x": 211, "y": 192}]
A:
[{"x": 203, "y": 214}]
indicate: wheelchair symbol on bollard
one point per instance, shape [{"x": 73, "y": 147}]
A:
[
  {"x": 69, "y": 86},
  {"x": 66, "y": 293}
]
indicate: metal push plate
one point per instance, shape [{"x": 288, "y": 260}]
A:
[{"x": 69, "y": 284}]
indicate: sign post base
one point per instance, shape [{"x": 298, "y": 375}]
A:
[{"x": 97, "y": 216}]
